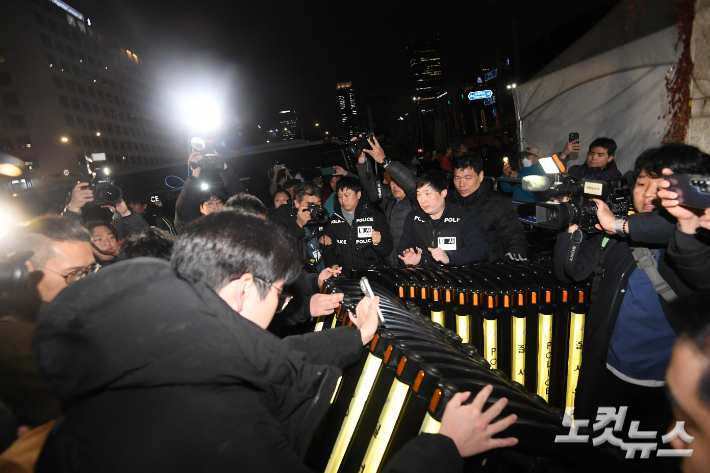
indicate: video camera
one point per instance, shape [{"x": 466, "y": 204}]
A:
[
  {"x": 319, "y": 215},
  {"x": 209, "y": 161},
  {"x": 106, "y": 192},
  {"x": 580, "y": 209},
  {"x": 354, "y": 148}
]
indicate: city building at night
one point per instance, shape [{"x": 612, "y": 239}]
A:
[
  {"x": 70, "y": 90},
  {"x": 348, "y": 109},
  {"x": 288, "y": 123},
  {"x": 425, "y": 70}
]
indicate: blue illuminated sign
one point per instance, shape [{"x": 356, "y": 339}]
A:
[
  {"x": 491, "y": 75},
  {"x": 489, "y": 101},
  {"x": 480, "y": 94}
]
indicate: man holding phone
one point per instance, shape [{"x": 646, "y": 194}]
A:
[
  {"x": 571, "y": 151},
  {"x": 600, "y": 164}
]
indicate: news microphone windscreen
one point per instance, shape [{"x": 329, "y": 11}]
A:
[{"x": 536, "y": 183}]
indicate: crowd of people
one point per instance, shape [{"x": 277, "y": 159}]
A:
[{"x": 147, "y": 343}]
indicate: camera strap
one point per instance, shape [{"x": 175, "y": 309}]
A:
[{"x": 645, "y": 261}]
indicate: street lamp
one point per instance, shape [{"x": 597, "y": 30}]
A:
[
  {"x": 317, "y": 124},
  {"x": 98, "y": 133},
  {"x": 64, "y": 139}
]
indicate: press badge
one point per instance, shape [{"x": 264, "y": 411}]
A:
[
  {"x": 364, "y": 232},
  {"x": 447, "y": 243}
]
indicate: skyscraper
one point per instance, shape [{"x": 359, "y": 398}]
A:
[
  {"x": 425, "y": 67},
  {"x": 68, "y": 90},
  {"x": 288, "y": 122},
  {"x": 348, "y": 110}
]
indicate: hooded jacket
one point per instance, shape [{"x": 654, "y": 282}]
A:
[
  {"x": 582, "y": 171},
  {"x": 352, "y": 246},
  {"x": 499, "y": 219},
  {"x": 395, "y": 211},
  {"x": 183, "y": 384}
]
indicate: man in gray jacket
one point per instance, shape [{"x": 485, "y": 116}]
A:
[{"x": 396, "y": 200}]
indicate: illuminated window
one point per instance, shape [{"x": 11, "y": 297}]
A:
[{"x": 24, "y": 141}]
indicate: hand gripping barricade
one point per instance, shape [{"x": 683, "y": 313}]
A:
[{"x": 451, "y": 330}]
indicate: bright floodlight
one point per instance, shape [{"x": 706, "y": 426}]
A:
[
  {"x": 204, "y": 186},
  {"x": 552, "y": 164},
  {"x": 10, "y": 165},
  {"x": 202, "y": 113}
]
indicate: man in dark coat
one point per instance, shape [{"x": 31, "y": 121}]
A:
[
  {"x": 194, "y": 382},
  {"x": 439, "y": 231},
  {"x": 358, "y": 232},
  {"x": 629, "y": 330},
  {"x": 600, "y": 164},
  {"x": 506, "y": 237},
  {"x": 396, "y": 200}
]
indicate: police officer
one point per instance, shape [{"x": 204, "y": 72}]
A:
[
  {"x": 358, "y": 232},
  {"x": 440, "y": 231}
]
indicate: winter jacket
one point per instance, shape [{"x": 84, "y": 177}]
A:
[
  {"x": 458, "y": 232},
  {"x": 187, "y": 207},
  {"x": 582, "y": 171},
  {"x": 351, "y": 245},
  {"x": 395, "y": 211},
  {"x": 690, "y": 253},
  {"x": 185, "y": 384},
  {"x": 650, "y": 230},
  {"x": 499, "y": 219}
]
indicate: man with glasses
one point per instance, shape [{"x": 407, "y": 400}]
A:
[
  {"x": 180, "y": 374},
  {"x": 61, "y": 255}
]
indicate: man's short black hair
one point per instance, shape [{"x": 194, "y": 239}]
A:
[
  {"x": 679, "y": 157},
  {"x": 304, "y": 189},
  {"x": 436, "y": 179},
  {"x": 291, "y": 183},
  {"x": 137, "y": 199},
  {"x": 92, "y": 225},
  {"x": 349, "y": 183},
  {"x": 466, "y": 161},
  {"x": 216, "y": 193},
  {"x": 40, "y": 234},
  {"x": 248, "y": 204},
  {"x": 152, "y": 243},
  {"x": 606, "y": 143},
  {"x": 224, "y": 245}
]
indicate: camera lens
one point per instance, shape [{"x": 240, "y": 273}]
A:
[{"x": 111, "y": 194}]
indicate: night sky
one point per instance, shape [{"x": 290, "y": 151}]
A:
[{"x": 274, "y": 55}]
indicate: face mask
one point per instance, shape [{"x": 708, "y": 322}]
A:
[{"x": 527, "y": 163}]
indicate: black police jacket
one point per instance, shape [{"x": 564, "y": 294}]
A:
[
  {"x": 458, "y": 232},
  {"x": 651, "y": 230},
  {"x": 500, "y": 220},
  {"x": 351, "y": 246}
]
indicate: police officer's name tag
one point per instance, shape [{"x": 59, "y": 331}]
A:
[
  {"x": 447, "y": 243},
  {"x": 364, "y": 232}
]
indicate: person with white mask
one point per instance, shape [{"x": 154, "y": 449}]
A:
[{"x": 531, "y": 167}]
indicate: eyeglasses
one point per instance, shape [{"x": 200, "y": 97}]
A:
[
  {"x": 212, "y": 204},
  {"x": 284, "y": 298},
  {"x": 74, "y": 275}
]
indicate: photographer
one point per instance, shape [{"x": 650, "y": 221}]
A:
[
  {"x": 506, "y": 237},
  {"x": 194, "y": 202},
  {"x": 396, "y": 200},
  {"x": 61, "y": 255},
  {"x": 124, "y": 220},
  {"x": 240, "y": 396},
  {"x": 630, "y": 332},
  {"x": 358, "y": 232},
  {"x": 440, "y": 231},
  {"x": 295, "y": 221},
  {"x": 600, "y": 164},
  {"x": 531, "y": 167}
]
